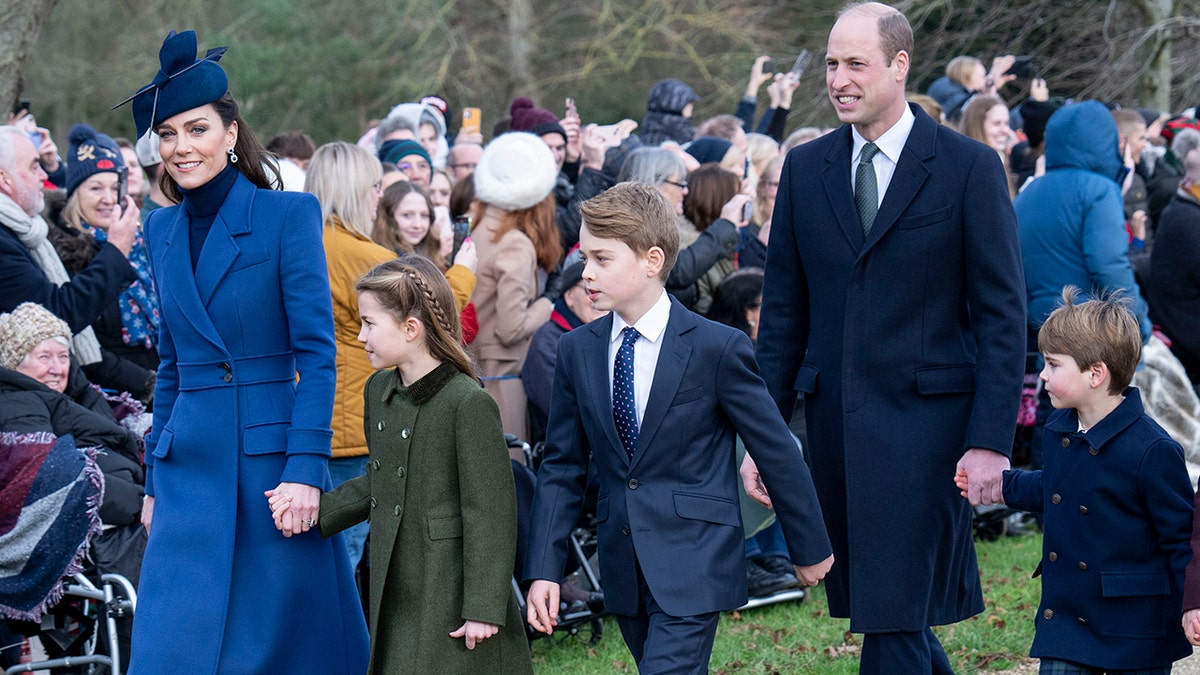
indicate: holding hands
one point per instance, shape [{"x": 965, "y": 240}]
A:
[
  {"x": 1191, "y": 626},
  {"x": 294, "y": 507},
  {"x": 980, "y": 476},
  {"x": 475, "y": 632}
]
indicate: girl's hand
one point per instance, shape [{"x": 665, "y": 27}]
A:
[
  {"x": 1191, "y": 626},
  {"x": 147, "y": 512},
  {"x": 301, "y": 513},
  {"x": 960, "y": 480},
  {"x": 279, "y": 503},
  {"x": 475, "y": 632}
]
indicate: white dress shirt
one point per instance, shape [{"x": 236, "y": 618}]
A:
[
  {"x": 890, "y": 144},
  {"x": 645, "y": 351}
]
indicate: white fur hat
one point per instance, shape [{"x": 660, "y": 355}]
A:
[{"x": 517, "y": 170}]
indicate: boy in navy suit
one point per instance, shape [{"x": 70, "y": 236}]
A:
[
  {"x": 1117, "y": 502},
  {"x": 654, "y": 395}
]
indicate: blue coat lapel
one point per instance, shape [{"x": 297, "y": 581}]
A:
[
  {"x": 668, "y": 373},
  {"x": 177, "y": 283},
  {"x": 836, "y": 177},
  {"x": 910, "y": 175},
  {"x": 220, "y": 249},
  {"x": 596, "y": 354}
]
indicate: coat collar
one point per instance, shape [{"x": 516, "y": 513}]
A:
[
  {"x": 910, "y": 175},
  {"x": 1129, "y": 411},
  {"x": 668, "y": 373}
]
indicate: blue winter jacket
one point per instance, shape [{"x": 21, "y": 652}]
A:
[{"x": 1070, "y": 221}]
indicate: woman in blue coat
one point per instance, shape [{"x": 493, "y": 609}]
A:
[{"x": 242, "y": 404}]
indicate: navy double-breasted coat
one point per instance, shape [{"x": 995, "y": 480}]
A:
[{"x": 221, "y": 589}]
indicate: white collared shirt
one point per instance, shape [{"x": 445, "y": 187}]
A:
[
  {"x": 652, "y": 325},
  {"x": 890, "y": 144}
]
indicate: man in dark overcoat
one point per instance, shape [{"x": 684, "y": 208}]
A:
[{"x": 894, "y": 301}]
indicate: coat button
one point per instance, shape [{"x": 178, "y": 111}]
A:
[
  {"x": 228, "y": 368},
  {"x": 1082, "y": 621},
  {"x": 1083, "y": 510},
  {"x": 381, "y": 425},
  {"x": 228, "y": 378},
  {"x": 373, "y": 503},
  {"x": 375, "y": 465},
  {"x": 1066, "y": 442},
  {"x": 625, "y": 530},
  {"x": 1055, "y": 498},
  {"x": 1094, "y": 451},
  {"x": 398, "y": 509},
  {"x": 404, "y": 433},
  {"x": 1048, "y": 614},
  {"x": 1053, "y": 556},
  {"x": 633, "y": 484},
  {"x": 400, "y": 472},
  {"x": 1082, "y": 565}
]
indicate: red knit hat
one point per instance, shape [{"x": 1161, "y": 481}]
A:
[{"x": 537, "y": 121}]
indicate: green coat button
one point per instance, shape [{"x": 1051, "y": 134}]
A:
[
  {"x": 405, "y": 433},
  {"x": 372, "y": 502},
  {"x": 400, "y": 472},
  {"x": 398, "y": 509},
  {"x": 375, "y": 465}
]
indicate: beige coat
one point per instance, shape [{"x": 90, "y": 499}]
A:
[{"x": 509, "y": 307}]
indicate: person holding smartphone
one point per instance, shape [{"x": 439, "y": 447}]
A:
[{"x": 22, "y": 117}]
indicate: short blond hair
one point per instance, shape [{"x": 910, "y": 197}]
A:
[
  {"x": 637, "y": 215},
  {"x": 1098, "y": 330}
]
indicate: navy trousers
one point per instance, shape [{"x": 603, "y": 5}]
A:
[
  {"x": 661, "y": 643},
  {"x": 917, "y": 653}
]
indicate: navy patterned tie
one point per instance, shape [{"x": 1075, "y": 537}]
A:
[
  {"x": 624, "y": 403},
  {"x": 866, "y": 187}
]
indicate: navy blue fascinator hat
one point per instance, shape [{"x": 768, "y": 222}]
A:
[{"x": 183, "y": 82}]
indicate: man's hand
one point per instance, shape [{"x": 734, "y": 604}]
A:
[
  {"x": 984, "y": 471},
  {"x": 752, "y": 482},
  {"x": 541, "y": 606},
  {"x": 810, "y": 575},
  {"x": 1191, "y": 626}
]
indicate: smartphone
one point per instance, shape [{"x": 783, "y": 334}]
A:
[
  {"x": 801, "y": 64},
  {"x": 22, "y": 106},
  {"x": 462, "y": 228},
  {"x": 747, "y": 211},
  {"x": 1021, "y": 67},
  {"x": 768, "y": 66},
  {"x": 472, "y": 122},
  {"x": 122, "y": 188}
]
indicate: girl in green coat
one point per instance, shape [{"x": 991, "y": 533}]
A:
[{"x": 438, "y": 489}]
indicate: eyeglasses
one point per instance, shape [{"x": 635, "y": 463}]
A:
[
  {"x": 682, "y": 185},
  {"x": 464, "y": 165}
]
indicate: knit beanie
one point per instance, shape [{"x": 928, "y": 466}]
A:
[
  {"x": 26, "y": 327},
  {"x": 91, "y": 153},
  {"x": 537, "y": 121},
  {"x": 709, "y": 149},
  {"x": 393, "y": 150},
  {"x": 517, "y": 170},
  {"x": 670, "y": 96}
]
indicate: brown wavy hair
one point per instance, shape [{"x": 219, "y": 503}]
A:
[
  {"x": 387, "y": 234},
  {"x": 536, "y": 222}
]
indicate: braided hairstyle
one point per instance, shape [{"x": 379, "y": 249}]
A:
[{"x": 412, "y": 286}]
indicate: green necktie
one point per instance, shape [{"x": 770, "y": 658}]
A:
[{"x": 866, "y": 187}]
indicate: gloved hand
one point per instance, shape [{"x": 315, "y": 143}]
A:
[{"x": 556, "y": 285}]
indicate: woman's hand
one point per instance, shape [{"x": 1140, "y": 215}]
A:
[
  {"x": 444, "y": 229},
  {"x": 147, "y": 512},
  {"x": 123, "y": 232},
  {"x": 732, "y": 211},
  {"x": 475, "y": 632},
  {"x": 467, "y": 255},
  {"x": 294, "y": 507}
]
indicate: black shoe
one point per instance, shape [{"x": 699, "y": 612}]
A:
[
  {"x": 776, "y": 564},
  {"x": 760, "y": 583}
]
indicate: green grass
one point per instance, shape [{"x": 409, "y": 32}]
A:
[{"x": 802, "y": 638}]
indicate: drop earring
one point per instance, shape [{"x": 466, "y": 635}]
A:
[{"x": 233, "y": 158}]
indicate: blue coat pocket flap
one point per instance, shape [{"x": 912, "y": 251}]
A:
[
  {"x": 446, "y": 528},
  {"x": 946, "y": 379},
  {"x": 1134, "y": 584},
  {"x": 163, "y": 447},
  {"x": 602, "y": 510},
  {"x": 265, "y": 439},
  {"x": 806, "y": 379},
  {"x": 711, "y": 509}
]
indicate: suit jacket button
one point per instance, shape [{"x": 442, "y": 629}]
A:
[
  {"x": 1066, "y": 442},
  {"x": 1055, "y": 498},
  {"x": 633, "y": 483},
  {"x": 1048, "y": 614},
  {"x": 1083, "y": 510},
  {"x": 404, "y": 433},
  {"x": 625, "y": 530},
  {"x": 1082, "y": 621},
  {"x": 1082, "y": 565},
  {"x": 373, "y": 503},
  {"x": 1094, "y": 451},
  {"x": 1053, "y": 556}
]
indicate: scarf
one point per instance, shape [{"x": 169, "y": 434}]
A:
[
  {"x": 32, "y": 231},
  {"x": 138, "y": 303}
]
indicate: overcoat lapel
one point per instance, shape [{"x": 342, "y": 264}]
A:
[
  {"x": 596, "y": 356},
  {"x": 220, "y": 249},
  {"x": 668, "y": 373},
  {"x": 910, "y": 175},
  {"x": 178, "y": 283},
  {"x": 836, "y": 177}
]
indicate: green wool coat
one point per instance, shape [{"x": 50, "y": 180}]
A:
[{"x": 439, "y": 494}]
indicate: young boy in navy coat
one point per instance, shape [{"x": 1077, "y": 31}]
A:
[
  {"x": 654, "y": 395},
  {"x": 1117, "y": 502}
]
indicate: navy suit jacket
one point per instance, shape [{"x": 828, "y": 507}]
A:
[
  {"x": 909, "y": 347},
  {"x": 673, "y": 509}
]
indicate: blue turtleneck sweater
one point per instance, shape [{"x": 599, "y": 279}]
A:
[{"x": 202, "y": 204}]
